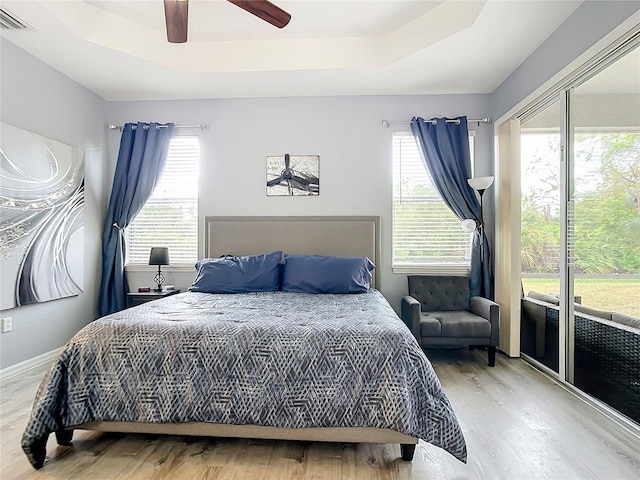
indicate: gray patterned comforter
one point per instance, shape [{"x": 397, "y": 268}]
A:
[{"x": 276, "y": 359}]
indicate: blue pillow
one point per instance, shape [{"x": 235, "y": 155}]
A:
[
  {"x": 325, "y": 274},
  {"x": 229, "y": 274}
]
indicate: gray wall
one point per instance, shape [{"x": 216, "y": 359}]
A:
[
  {"x": 37, "y": 98},
  {"x": 592, "y": 21},
  {"x": 347, "y": 133}
]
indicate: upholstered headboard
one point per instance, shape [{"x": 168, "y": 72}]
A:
[{"x": 352, "y": 236}]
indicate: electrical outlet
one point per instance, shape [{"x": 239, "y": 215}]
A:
[{"x": 7, "y": 324}]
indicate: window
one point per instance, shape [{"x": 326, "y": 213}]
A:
[
  {"x": 170, "y": 216},
  {"x": 427, "y": 236}
]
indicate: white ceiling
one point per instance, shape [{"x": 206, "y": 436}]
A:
[{"x": 118, "y": 48}]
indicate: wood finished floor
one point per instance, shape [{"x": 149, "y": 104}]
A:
[{"x": 518, "y": 425}]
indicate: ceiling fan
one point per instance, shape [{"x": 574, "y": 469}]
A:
[{"x": 176, "y": 14}]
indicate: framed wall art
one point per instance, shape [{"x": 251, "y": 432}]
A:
[{"x": 291, "y": 175}]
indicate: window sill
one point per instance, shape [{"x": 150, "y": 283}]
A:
[{"x": 453, "y": 270}]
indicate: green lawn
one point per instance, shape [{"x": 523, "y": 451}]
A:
[{"x": 613, "y": 294}]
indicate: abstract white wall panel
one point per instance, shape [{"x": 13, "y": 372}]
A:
[{"x": 41, "y": 219}]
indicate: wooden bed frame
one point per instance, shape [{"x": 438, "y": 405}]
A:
[{"x": 340, "y": 236}]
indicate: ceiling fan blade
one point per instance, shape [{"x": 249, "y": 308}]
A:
[
  {"x": 176, "y": 13},
  {"x": 265, "y": 10}
]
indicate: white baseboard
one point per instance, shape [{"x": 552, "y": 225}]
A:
[{"x": 27, "y": 365}]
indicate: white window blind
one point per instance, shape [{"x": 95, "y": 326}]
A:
[
  {"x": 427, "y": 236},
  {"x": 170, "y": 216}
]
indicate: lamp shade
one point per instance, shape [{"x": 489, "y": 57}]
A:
[
  {"x": 480, "y": 183},
  {"x": 159, "y": 256}
]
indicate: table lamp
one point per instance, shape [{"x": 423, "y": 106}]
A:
[{"x": 159, "y": 256}]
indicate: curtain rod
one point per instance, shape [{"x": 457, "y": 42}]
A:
[
  {"x": 387, "y": 123},
  {"x": 201, "y": 126}
]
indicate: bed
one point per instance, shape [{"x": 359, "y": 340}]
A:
[{"x": 282, "y": 363}]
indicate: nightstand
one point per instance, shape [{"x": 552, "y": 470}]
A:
[{"x": 138, "y": 298}]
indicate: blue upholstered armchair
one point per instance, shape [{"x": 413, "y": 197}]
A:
[{"x": 440, "y": 312}]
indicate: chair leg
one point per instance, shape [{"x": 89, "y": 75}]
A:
[{"x": 492, "y": 356}]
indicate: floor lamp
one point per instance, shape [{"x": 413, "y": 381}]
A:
[{"x": 480, "y": 184}]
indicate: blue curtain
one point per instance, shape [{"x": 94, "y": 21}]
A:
[
  {"x": 444, "y": 147},
  {"x": 142, "y": 156}
]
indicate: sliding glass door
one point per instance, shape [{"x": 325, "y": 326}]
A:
[
  {"x": 604, "y": 240},
  {"x": 541, "y": 164},
  {"x": 580, "y": 223}
]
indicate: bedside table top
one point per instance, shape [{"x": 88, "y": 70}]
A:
[{"x": 153, "y": 294}]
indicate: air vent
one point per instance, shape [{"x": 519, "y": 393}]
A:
[{"x": 10, "y": 21}]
